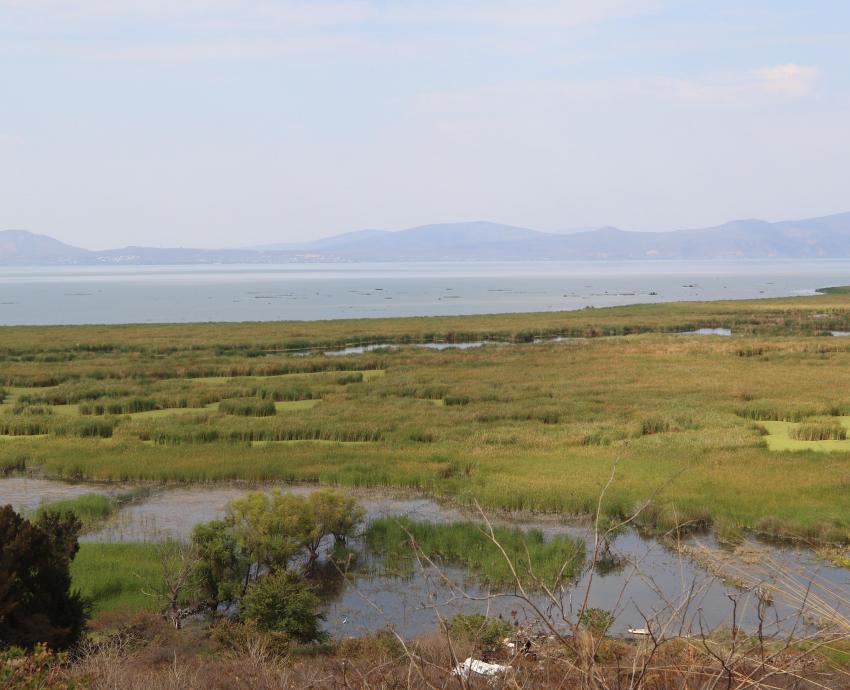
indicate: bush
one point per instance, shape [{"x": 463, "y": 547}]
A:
[
  {"x": 284, "y": 602},
  {"x": 41, "y": 669},
  {"x": 597, "y": 621},
  {"x": 244, "y": 638},
  {"x": 36, "y": 602},
  {"x": 484, "y": 632}
]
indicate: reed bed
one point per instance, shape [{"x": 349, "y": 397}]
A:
[
  {"x": 248, "y": 407},
  {"x": 88, "y": 508},
  {"x": 818, "y": 432},
  {"x": 554, "y": 563}
]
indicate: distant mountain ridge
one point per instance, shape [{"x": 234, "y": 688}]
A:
[{"x": 827, "y": 237}]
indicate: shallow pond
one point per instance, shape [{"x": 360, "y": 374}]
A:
[
  {"x": 360, "y": 349},
  {"x": 655, "y": 582},
  {"x": 709, "y": 331}
]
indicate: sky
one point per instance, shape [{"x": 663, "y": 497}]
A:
[{"x": 220, "y": 123}]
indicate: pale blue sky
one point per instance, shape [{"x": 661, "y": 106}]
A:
[{"x": 234, "y": 122}]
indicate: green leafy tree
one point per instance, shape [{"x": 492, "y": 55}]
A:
[
  {"x": 284, "y": 602},
  {"x": 36, "y": 601},
  {"x": 331, "y": 512},
  {"x": 222, "y": 567},
  {"x": 271, "y": 527}
]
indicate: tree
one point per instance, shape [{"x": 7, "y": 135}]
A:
[
  {"x": 270, "y": 527},
  {"x": 36, "y": 601},
  {"x": 284, "y": 602},
  {"x": 179, "y": 563},
  {"x": 222, "y": 567},
  {"x": 333, "y": 513}
]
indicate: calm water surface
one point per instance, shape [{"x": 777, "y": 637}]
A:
[
  {"x": 650, "y": 584},
  {"x": 139, "y": 294}
]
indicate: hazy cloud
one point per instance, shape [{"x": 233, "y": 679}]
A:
[
  {"x": 753, "y": 86},
  {"x": 232, "y": 30}
]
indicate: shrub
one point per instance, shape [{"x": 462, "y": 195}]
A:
[
  {"x": 42, "y": 669},
  {"x": 597, "y": 621},
  {"x": 243, "y": 638},
  {"x": 36, "y": 602},
  {"x": 284, "y": 602},
  {"x": 484, "y": 632}
]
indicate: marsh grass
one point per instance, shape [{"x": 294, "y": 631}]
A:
[
  {"x": 248, "y": 407},
  {"x": 654, "y": 425},
  {"x": 130, "y": 406},
  {"x": 89, "y": 508},
  {"x": 818, "y": 432},
  {"x": 554, "y": 562},
  {"x": 536, "y": 425}
]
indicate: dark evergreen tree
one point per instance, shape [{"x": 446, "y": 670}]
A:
[{"x": 36, "y": 601}]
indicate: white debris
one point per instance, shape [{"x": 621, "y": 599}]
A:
[{"x": 481, "y": 668}]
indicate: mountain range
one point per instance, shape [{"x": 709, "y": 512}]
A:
[{"x": 827, "y": 237}]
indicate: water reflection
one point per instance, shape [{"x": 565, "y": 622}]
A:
[{"x": 644, "y": 578}]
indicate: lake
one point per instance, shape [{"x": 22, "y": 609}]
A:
[{"x": 179, "y": 294}]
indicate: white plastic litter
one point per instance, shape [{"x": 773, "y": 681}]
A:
[{"x": 476, "y": 667}]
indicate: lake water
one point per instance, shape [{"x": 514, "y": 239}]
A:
[
  {"x": 653, "y": 582},
  {"x": 142, "y": 294}
]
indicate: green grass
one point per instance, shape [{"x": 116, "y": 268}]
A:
[
  {"x": 112, "y": 576},
  {"x": 89, "y": 508},
  {"x": 785, "y": 436},
  {"x": 535, "y": 560}
]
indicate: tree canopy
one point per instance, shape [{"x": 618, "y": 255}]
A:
[{"x": 36, "y": 601}]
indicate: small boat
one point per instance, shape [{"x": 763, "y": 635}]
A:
[{"x": 639, "y": 631}]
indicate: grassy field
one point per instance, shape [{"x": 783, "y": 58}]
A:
[
  {"x": 708, "y": 420},
  {"x": 113, "y": 576}
]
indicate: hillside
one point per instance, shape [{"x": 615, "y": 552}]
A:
[{"x": 814, "y": 238}]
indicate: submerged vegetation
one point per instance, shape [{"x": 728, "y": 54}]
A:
[{"x": 695, "y": 421}]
